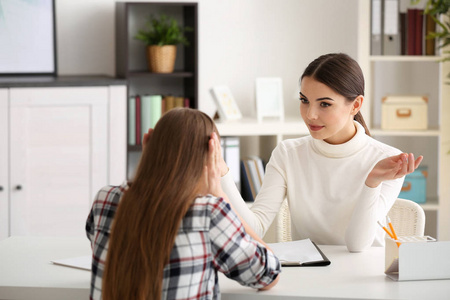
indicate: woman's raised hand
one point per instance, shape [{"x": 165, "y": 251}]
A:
[{"x": 392, "y": 168}]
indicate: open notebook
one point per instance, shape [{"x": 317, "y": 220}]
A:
[{"x": 299, "y": 253}]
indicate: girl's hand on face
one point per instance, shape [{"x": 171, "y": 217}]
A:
[
  {"x": 392, "y": 168},
  {"x": 214, "y": 166},
  {"x": 146, "y": 137}
]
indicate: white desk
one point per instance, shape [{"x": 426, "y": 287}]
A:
[{"x": 26, "y": 273}]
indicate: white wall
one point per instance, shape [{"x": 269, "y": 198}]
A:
[{"x": 239, "y": 40}]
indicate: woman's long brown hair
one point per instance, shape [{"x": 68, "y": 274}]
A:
[
  {"x": 149, "y": 214},
  {"x": 341, "y": 73}
]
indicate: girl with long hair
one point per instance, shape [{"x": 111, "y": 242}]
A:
[
  {"x": 166, "y": 234},
  {"x": 338, "y": 181}
]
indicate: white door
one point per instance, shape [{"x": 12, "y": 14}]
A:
[
  {"x": 4, "y": 184},
  {"x": 58, "y": 156}
]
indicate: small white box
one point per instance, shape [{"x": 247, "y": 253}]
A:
[
  {"x": 417, "y": 258},
  {"x": 404, "y": 113}
]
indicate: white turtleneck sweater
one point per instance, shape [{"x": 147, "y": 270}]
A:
[{"x": 325, "y": 188}]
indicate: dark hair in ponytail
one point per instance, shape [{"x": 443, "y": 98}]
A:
[{"x": 341, "y": 73}]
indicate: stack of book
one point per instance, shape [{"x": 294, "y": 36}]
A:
[
  {"x": 252, "y": 175},
  {"x": 415, "y": 31},
  {"x": 399, "y": 28},
  {"x": 145, "y": 110}
]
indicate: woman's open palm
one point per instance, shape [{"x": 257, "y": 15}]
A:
[{"x": 392, "y": 167}]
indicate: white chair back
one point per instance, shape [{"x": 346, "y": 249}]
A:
[{"x": 408, "y": 218}]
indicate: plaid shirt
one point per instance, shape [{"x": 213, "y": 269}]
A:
[{"x": 210, "y": 238}]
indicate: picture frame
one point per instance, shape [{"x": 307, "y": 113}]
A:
[
  {"x": 28, "y": 43},
  {"x": 226, "y": 105},
  {"x": 269, "y": 98}
]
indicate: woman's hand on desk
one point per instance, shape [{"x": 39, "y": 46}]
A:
[{"x": 392, "y": 168}]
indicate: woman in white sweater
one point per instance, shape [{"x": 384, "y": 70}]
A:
[{"x": 338, "y": 181}]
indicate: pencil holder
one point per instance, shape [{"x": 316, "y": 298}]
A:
[{"x": 417, "y": 258}]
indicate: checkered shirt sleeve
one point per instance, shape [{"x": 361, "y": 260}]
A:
[
  {"x": 211, "y": 239},
  {"x": 236, "y": 254},
  {"x": 98, "y": 228}
]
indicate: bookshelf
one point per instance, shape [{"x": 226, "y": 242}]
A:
[
  {"x": 131, "y": 62},
  {"x": 412, "y": 75}
]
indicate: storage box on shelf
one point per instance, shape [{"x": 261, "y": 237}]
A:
[
  {"x": 415, "y": 185},
  {"x": 404, "y": 113},
  {"x": 131, "y": 61}
]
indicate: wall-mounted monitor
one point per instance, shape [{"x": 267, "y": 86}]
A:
[{"x": 27, "y": 37}]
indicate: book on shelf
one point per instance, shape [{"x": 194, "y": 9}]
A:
[
  {"x": 385, "y": 32},
  {"x": 252, "y": 175},
  {"x": 419, "y": 36},
  {"x": 399, "y": 27},
  {"x": 138, "y": 120},
  {"x": 132, "y": 121},
  {"x": 251, "y": 165},
  {"x": 179, "y": 101},
  {"x": 144, "y": 111},
  {"x": 415, "y": 36},
  {"x": 375, "y": 42},
  {"x": 259, "y": 167},
  {"x": 247, "y": 191},
  {"x": 170, "y": 102},
  {"x": 403, "y": 31},
  {"x": 150, "y": 112},
  {"x": 390, "y": 28},
  {"x": 231, "y": 155}
]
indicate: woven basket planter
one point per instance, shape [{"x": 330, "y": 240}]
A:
[{"x": 161, "y": 59}]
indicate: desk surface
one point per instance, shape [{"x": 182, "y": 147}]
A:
[{"x": 26, "y": 273}]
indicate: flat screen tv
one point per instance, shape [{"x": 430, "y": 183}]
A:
[{"x": 27, "y": 37}]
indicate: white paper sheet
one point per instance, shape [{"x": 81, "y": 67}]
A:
[
  {"x": 81, "y": 262},
  {"x": 301, "y": 251}
]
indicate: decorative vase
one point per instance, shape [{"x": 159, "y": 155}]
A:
[{"x": 161, "y": 59}]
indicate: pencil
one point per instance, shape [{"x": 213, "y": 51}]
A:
[
  {"x": 391, "y": 227},
  {"x": 392, "y": 230},
  {"x": 387, "y": 231}
]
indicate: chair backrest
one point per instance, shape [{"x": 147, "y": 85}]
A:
[
  {"x": 408, "y": 218},
  {"x": 283, "y": 219}
]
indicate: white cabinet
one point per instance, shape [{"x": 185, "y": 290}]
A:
[
  {"x": 4, "y": 178},
  {"x": 62, "y": 145}
]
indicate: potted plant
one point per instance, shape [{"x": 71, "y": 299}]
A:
[
  {"x": 437, "y": 9},
  {"x": 161, "y": 36}
]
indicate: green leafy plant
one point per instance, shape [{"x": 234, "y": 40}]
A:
[
  {"x": 163, "y": 31},
  {"x": 437, "y": 9}
]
